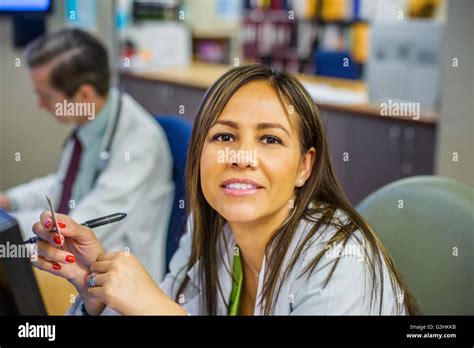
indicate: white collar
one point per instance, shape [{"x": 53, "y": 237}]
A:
[{"x": 224, "y": 273}]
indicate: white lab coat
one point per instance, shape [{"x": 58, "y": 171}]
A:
[
  {"x": 137, "y": 180},
  {"x": 347, "y": 293}
]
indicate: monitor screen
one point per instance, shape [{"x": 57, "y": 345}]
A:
[
  {"x": 19, "y": 291},
  {"x": 25, "y": 6}
]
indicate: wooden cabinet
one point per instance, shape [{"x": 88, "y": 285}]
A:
[{"x": 369, "y": 152}]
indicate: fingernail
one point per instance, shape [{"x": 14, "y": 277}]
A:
[
  {"x": 70, "y": 258},
  {"x": 61, "y": 225},
  {"x": 57, "y": 239},
  {"x": 47, "y": 224},
  {"x": 57, "y": 266}
]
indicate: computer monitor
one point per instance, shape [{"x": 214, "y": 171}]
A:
[
  {"x": 16, "y": 6},
  {"x": 19, "y": 291}
]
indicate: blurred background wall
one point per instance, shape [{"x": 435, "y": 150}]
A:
[{"x": 166, "y": 53}]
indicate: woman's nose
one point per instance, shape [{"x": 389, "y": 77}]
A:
[{"x": 243, "y": 156}]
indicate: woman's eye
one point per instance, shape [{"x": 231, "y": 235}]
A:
[
  {"x": 223, "y": 137},
  {"x": 270, "y": 139}
]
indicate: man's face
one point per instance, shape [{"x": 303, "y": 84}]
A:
[{"x": 47, "y": 96}]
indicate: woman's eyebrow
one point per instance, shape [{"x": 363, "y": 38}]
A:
[
  {"x": 272, "y": 125},
  {"x": 260, "y": 126},
  {"x": 226, "y": 123}
]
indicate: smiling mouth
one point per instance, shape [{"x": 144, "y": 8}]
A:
[{"x": 241, "y": 189}]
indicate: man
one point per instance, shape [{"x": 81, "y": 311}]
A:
[{"x": 117, "y": 159}]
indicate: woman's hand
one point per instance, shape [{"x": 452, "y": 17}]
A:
[
  {"x": 68, "y": 257},
  {"x": 124, "y": 285}
]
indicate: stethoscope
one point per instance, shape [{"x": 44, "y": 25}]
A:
[{"x": 104, "y": 154}]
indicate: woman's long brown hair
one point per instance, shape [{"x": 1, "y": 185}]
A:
[{"x": 317, "y": 201}]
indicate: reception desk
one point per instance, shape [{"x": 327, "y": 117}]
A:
[{"x": 57, "y": 293}]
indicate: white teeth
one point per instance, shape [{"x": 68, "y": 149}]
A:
[{"x": 241, "y": 186}]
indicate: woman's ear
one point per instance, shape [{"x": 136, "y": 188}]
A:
[{"x": 306, "y": 166}]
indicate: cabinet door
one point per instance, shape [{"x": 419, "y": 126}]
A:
[
  {"x": 417, "y": 149},
  {"x": 375, "y": 157},
  {"x": 370, "y": 152}
]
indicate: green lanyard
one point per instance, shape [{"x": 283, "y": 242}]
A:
[{"x": 238, "y": 277}]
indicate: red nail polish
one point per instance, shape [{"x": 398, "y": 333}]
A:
[
  {"x": 70, "y": 258},
  {"x": 61, "y": 225},
  {"x": 47, "y": 224},
  {"x": 56, "y": 266},
  {"x": 57, "y": 239}
]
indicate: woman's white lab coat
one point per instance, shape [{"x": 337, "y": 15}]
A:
[{"x": 348, "y": 291}]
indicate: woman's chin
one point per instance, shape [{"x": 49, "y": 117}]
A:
[{"x": 239, "y": 214}]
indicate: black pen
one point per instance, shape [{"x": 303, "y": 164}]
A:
[{"x": 104, "y": 220}]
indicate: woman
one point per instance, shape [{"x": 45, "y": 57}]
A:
[{"x": 270, "y": 230}]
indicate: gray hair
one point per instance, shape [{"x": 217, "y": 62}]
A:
[{"x": 77, "y": 57}]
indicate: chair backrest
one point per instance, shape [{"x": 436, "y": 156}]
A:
[
  {"x": 178, "y": 132},
  {"x": 427, "y": 225}
]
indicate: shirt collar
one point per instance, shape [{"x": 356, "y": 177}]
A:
[
  {"x": 94, "y": 129},
  {"x": 227, "y": 244}
]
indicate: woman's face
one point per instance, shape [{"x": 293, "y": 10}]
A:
[{"x": 251, "y": 160}]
